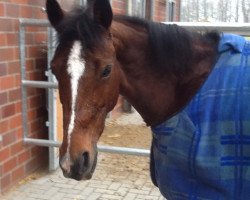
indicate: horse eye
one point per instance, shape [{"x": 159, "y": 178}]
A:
[{"x": 106, "y": 71}]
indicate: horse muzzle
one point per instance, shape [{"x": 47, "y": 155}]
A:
[{"x": 81, "y": 168}]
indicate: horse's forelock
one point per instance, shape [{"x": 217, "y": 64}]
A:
[{"x": 80, "y": 25}]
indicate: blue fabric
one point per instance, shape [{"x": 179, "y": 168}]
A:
[{"x": 203, "y": 152}]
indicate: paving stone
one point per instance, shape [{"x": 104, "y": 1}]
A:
[
  {"x": 130, "y": 196},
  {"x": 94, "y": 196},
  {"x": 110, "y": 181}
]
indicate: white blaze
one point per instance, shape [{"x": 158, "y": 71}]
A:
[{"x": 76, "y": 68}]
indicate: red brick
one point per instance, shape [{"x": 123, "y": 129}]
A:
[
  {"x": 4, "y": 126},
  {"x": 15, "y": 121},
  {"x": 7, "y": 24},
  {"x": 35, "y": 126},
  {"x": 19, "y": 133},
  {"x": 18, "y": 173},
  {"x": 40, "y": 37},
  {"x": 35, "y": 101},
  {"x": 32, "y": 114},
  {"x": 16, "y": 148},
  {"x": 14, "y": 95},
  {"x": 7, "y": 82},
  {"x": 8, "y": 110},
  {"x": 36, "y": 2},
  {"x": 29, "y": 38},
  {"x": 1, "y": 170},
  {"x": 32, "y": 165},
  {"x": 31, "y": 91},
  {"x": 2, "y": 9},
  {"x": 9, "y": 165},
  {"x": 7, "y": 54},
  {"x": 12, "y": 10},
  {"x": 16, "y": 53},
  {"x": 12, "y": 39},
  {"x": 3, "y": 98},
  {"x": 9, "y": 138},
  {"x": 14, "y": 67},
  {"x": 3, "y": 39},
  {"x": 20, "y": 1},
  {"x": 29, "y": 64},
  {"x": 26, "y": 12},
  {"x": 18, "y": 107},
  {"x": 38, "y": 13},
  {"x": 34, "y": 52},
  {"x": 24, "y": 157},
  {"x": 36, "y": 151},
  {"x": 4, "y": 154},
  {"x": 18, "y": 80},
  {"x": 3, "y": 69}
]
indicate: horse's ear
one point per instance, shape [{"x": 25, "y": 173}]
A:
[
  {"x": 54, "y": 12},
  {"x": 102, "y": 12}
]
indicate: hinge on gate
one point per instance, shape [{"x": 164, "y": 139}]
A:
[{"x": 47, "y": 123}]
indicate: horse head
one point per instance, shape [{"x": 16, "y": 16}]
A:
[{"x": 85, "y": 67}]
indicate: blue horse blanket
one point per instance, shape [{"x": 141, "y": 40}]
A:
[{"x": 203, "y": 152}]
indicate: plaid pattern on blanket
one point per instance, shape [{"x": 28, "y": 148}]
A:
[{"x": 204, "y": 151}]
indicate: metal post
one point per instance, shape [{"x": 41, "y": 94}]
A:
[
  {"x": 23, "y": 77},
  {"x": 53, "y": 152}
]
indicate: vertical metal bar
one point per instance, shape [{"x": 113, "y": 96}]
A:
[
  {"x": 23, "y": 77},
  {"x": 53, "y": 152},
  {"x": 129, "y": 7}
]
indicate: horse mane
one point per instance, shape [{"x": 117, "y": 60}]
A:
[{"x": 171, "y": 46}]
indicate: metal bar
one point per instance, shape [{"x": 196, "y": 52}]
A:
[
  {"x": 39, "y": 84},
  {"x": 34, "y": 22},
  {"x": 23, "y": 77},
  {"x": 227, "y": 27},
  {"x": 152, "y": 10},
  {"x": 53, "y": 158},
  {"x": 42, "y": 142},
  {"x": 124, "y": 150},
  {"x": 101, "y": 148},
  {"x": 237, "y": 28}
]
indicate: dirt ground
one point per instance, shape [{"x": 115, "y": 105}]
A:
[{"x": 127, "y": 131}]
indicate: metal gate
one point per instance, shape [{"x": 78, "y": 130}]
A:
[{"x": 51, "y": 86}]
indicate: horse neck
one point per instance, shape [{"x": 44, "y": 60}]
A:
[{"x": 155, "y": 96}]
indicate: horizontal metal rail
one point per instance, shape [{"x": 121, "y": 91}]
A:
[
  {"x": 39, "y": 84},
  {"x": 34, "y": 22},
  {"x": 101, "y": 148},
  {"x": 236, "y": 28}
]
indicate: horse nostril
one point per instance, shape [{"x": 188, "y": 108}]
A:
[
  {"x": 85, "y": 156},
  {"x": 83, "y": 162}
]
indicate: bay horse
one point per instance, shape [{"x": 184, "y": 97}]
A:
[{"x": 160, "y": 69}]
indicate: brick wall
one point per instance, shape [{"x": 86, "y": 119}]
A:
[
  {"x": 16, "y": 159},
  {"x": 119, "y": 6},
  {"x": 178, "y": 10},
  {"x": 160, "y": 11}
]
